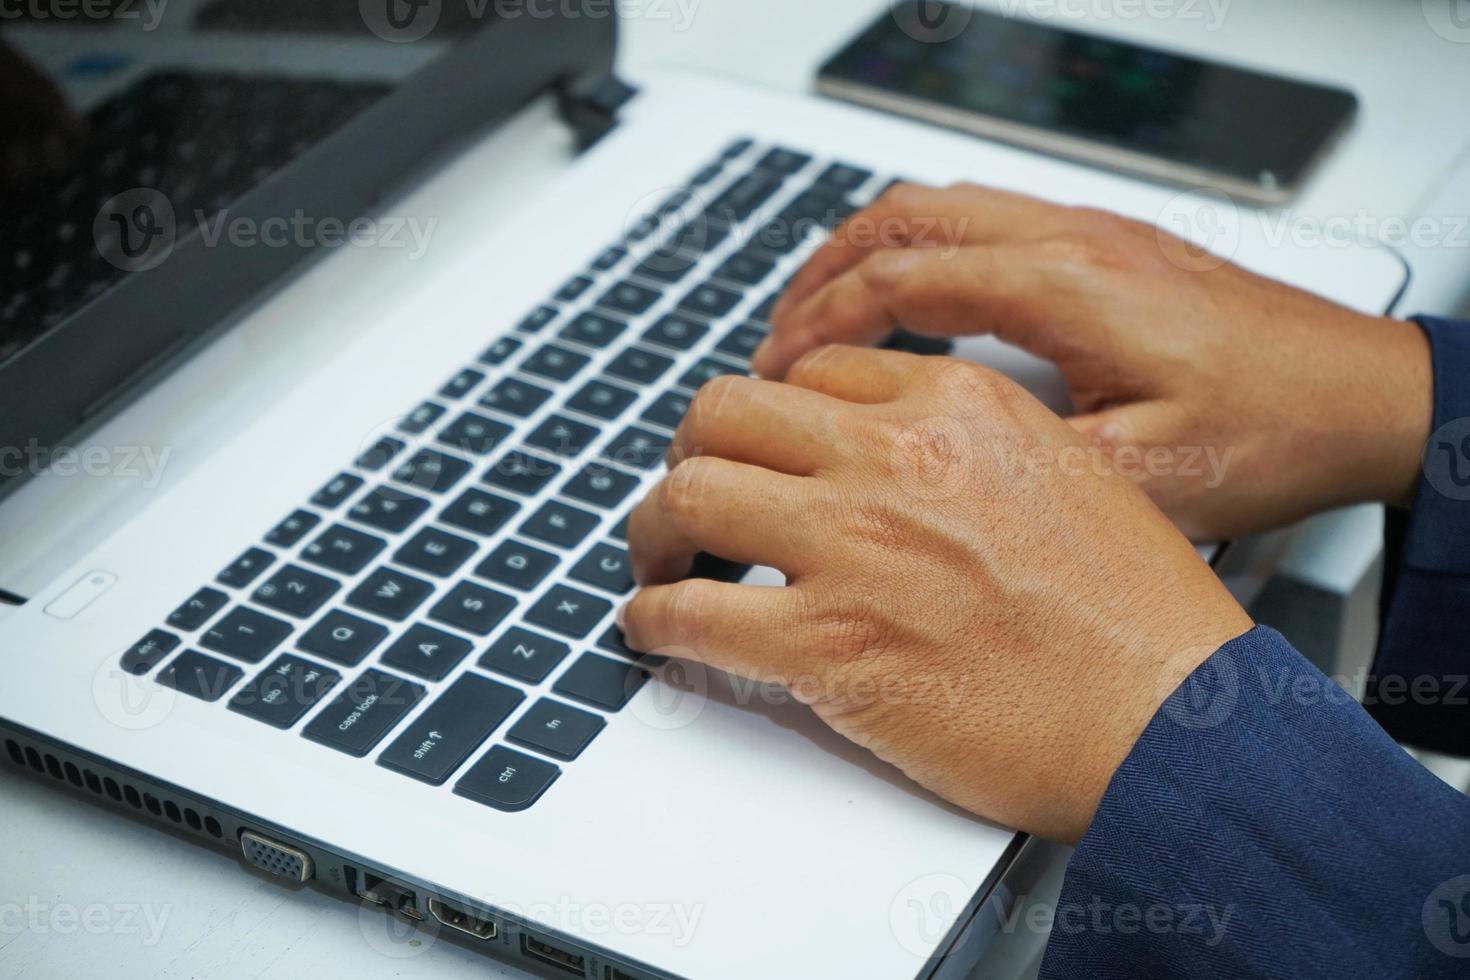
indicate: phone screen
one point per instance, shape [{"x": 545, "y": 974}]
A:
[{"x": 1253, "y": 128}]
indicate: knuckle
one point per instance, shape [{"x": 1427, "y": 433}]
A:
[
  {"x": 683, "y": 490},
  {"x": 812, "y": 364},
  {"x": 901, "y": 198},
  {"x": 844, "y": 635},
  {"x": 966, "y": 380},
  {"x": 1083, "y": 254},
  {"x": 685, "y": 607},
  {"x": 708, "y": 407}
]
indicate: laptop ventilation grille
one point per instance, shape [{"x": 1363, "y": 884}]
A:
[{"x": 107, "y": 787}]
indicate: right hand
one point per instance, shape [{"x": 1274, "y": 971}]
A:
[{"x": 1240, "y": 404}]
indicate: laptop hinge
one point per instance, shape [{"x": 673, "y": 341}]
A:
[{"x": 590, "y": 106}]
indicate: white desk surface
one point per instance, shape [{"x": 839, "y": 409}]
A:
[{"x": 84, "y": 891}]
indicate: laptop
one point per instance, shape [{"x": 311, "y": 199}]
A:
[{"x": 358, "y": 631}]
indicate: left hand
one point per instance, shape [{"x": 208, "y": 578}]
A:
[{"x": 997, "y": 622}]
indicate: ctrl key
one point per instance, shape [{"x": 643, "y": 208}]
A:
[
  {"x": 365, "y": 711},
  {"x": 507, "y": 780}
]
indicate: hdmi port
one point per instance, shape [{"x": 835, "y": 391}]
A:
[
  {"x": 559, "y": 958},
  {"x": 460, "y": 920}
]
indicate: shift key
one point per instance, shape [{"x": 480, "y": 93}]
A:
[
  {"x": 364, "y": 712},
  {"x": 439, "y": 740}
]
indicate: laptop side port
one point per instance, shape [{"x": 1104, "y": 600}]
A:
[
  {"x": 460, "y": 919},
  {"x": 613, "y": 973},
  {"x": 544, "y": 952},
  {"x": 274, "y": 857},
  {"x": 390, "y": 895}
]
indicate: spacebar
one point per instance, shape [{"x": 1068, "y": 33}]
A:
[{"x": 439, "y": 740}]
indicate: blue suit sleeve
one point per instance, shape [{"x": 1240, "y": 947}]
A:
[
  {"x": 1419, "y": 691},
  {"x": 1265, "y": 826}
]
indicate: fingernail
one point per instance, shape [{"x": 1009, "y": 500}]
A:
[
  {"x": 621, "y": 617},
  {"x": 758, "y": 358}
]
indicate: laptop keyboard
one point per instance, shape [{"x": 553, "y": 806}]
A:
[{"x": 454, "y": 588}]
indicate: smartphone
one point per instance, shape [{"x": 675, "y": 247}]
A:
[{"x": 1132, "y": 109}]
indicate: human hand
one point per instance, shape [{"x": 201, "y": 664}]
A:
[
  {"x": 1240, "y": 404},
  {"x": 999, "y": 628}
]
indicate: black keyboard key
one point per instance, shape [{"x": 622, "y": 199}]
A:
[
  {"x": 434, "y": 551},
  {"x": 524, "y": 655},
  {"x": 431, "y": 471},
  {"x": 746, "y": 268},
  {"x": 710, "y": 301},
  {"x": 513, "y": 397},
  {"x": 707, "y": 370},
  {"x": 607, "y": 568},
  {"x": 342, "y": 638},
  {"x": 198, "y": 676},
  {"x": 708, "y": 175},
  {"x": 601, "y": 682},
  {"x": 462, "y": 383},
  {"x": 593, "y": 330},
  {"x": 285, "y": 691},
  {"x": 363, "y": 712},
  {"x": 669, "y": 410},
  {"x": 537, "y": 319},
  {"x": 639, "y": 448},
  {"x": 245, "y": 635},
  {"x": 556, "y": 363},
  {"x": 445, "y": 734},
  {"x": 559, "y": 524},
  {"x": 500, "y": 352},
  {"x": 743, "y": 198},
  {"x": 601, "y": 486},
  {"x": 568, "y": 611},
  {"x": 246, "y": 569},
  {"x": 629, "y": 298},
  {"x": 639, "y": 366},
  {"x": 844, "y": 178},
  {"x": 473, "y": 609},
  {"x": 614, "y": 641},
  {"x": 388, "y": 509},
  {"x": 522, "y": 473},
  {"x": 556, "y": 729},
  {"x": 480, "y": 512},
  {"x": 336, "y": 492},
  {"x": 197, "y": 609},
  {"x": 620, "y": 529},
  {"x": 912, "y": 343},
  {"x": 669, "y": 265},
  {"x": 342, "y": 549},
  {"x": 563, "y": 436},
  {"x": 507, "y": 780},
  {"x": 426, "y": 652},
  {"x": 517, "y": 565},
  {"x": 149, "y": 652},
  {"x": 763, "y": 312},
  {"x": 783, "y": 161},
  {"x": 291, "y": 530},
  {"x": 475, "y": 434},
  {"x": 736, "y": 149},
  {"x": 741, "y": 343},
  {"x": 602, "y": 400},
  {"x": 380, "y": 454},
  {"x": 574, "y": 289},
  {"x": 421, "y": 418},
  {"x": 295, "y": 591},
  {"x": 390, "y": 594},
  {"x": 676, "y": 332},
  {"x": 609, "y": 259}
]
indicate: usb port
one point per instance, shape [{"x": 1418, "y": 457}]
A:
[{"x": 559, "y": 958}]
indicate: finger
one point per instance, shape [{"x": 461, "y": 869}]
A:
[
  {"x": 743, "y": 513},
  {"x": 1022, "y": 293},
  {"x": 740, "y": 629},
  {"x": 856, "y": 374},
  {"x": 912, "y": 214},
  {"x": 762, "y": 423}
]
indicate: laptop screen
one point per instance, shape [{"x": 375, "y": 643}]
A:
[{"x": 127, "y": 126}]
